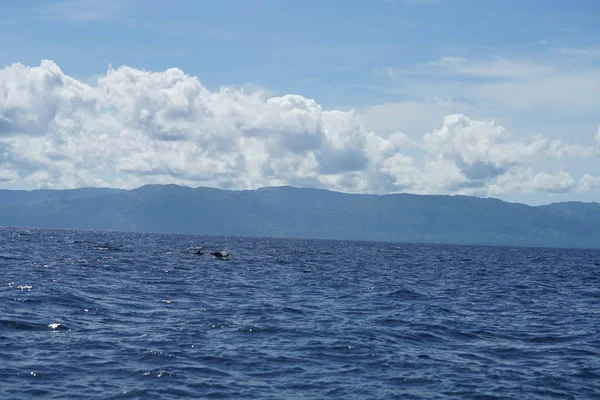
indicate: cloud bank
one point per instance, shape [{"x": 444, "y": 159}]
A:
[{"x": 133, "y": 127}]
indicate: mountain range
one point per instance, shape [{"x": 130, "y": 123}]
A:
[{"x": 306, "y": 213}]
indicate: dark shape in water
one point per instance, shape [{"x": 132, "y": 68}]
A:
[
  {"x": 223, "y": 255},
  {"x": 467, "y": 330}
]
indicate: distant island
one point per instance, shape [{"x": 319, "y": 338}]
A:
[{"x": 306, "y": 213}]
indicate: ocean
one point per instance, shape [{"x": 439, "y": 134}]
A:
[{"x": 108, "y": 315}]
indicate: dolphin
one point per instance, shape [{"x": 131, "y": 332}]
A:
[{"x": 223, "y": 255}]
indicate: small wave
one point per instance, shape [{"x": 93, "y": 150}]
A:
[
  {"x": 353, "y": 326},
  {"x": 75, "y": 261},
  {"x": 26, "y": 300},
  {"x": 407, "y": 294},
  {"x": 260, "y": 329},
  {"x": 16, "y": 325},
  {"x": 539, "y": 259},
  {"x": 134, "y": 394},
  {"x": 550, "y": 339},
  {"x": 292, "y": 310},
  {"x": 206, "y": 371},
  {"x": 107, "y": 247},
  {"x": 391, "y": 322}
]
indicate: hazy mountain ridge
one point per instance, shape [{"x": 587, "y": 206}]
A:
[
  {"x": 308, "y": 213},
  {"x": 22, "y": 197}
]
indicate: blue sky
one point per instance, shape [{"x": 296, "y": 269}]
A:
[
  {"x": 530, "y": 68},
  {"x": 317, "y": 48}
]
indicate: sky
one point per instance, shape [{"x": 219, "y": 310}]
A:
[{"x": 492, "y": 99}]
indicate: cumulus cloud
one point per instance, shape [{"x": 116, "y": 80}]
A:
[
  {"x": 588, "y": 182},
  {"x": 480, "y": 148},
  {"x": 561, "y": 150},
  {"x": 133, "y": 127},
  {"x": 525, "y": 179}
]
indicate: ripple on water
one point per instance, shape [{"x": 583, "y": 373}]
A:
[{"x": 286, "y": 319}]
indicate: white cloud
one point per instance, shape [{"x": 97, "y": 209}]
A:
[
  {"x": 566, "y": 87},
  {"x": 412, "y": 117},
  {"x": 556, "y": 92},
  {"x": 585, "y": 52},
  {"x": 589, "y": 183},
  {"x": 498, "y": 67},
  {"x": 526, "y": 180},
  {"x": 167, "y": 124},
  {"x": 495, "y": 68},
  {"x": 561, "y": 182},
  {"x": 560, "y": 150},
  {"x": 132, "y": 127},
  {"x": 472, "y": 142}
]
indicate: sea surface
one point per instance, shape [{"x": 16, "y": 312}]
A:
[{"x": 106, "y": 315}]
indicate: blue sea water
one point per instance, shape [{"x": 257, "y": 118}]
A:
[{"x": 105, "y": 315}]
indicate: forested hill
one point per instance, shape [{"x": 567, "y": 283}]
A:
[{"x": 306, "y": 213}]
